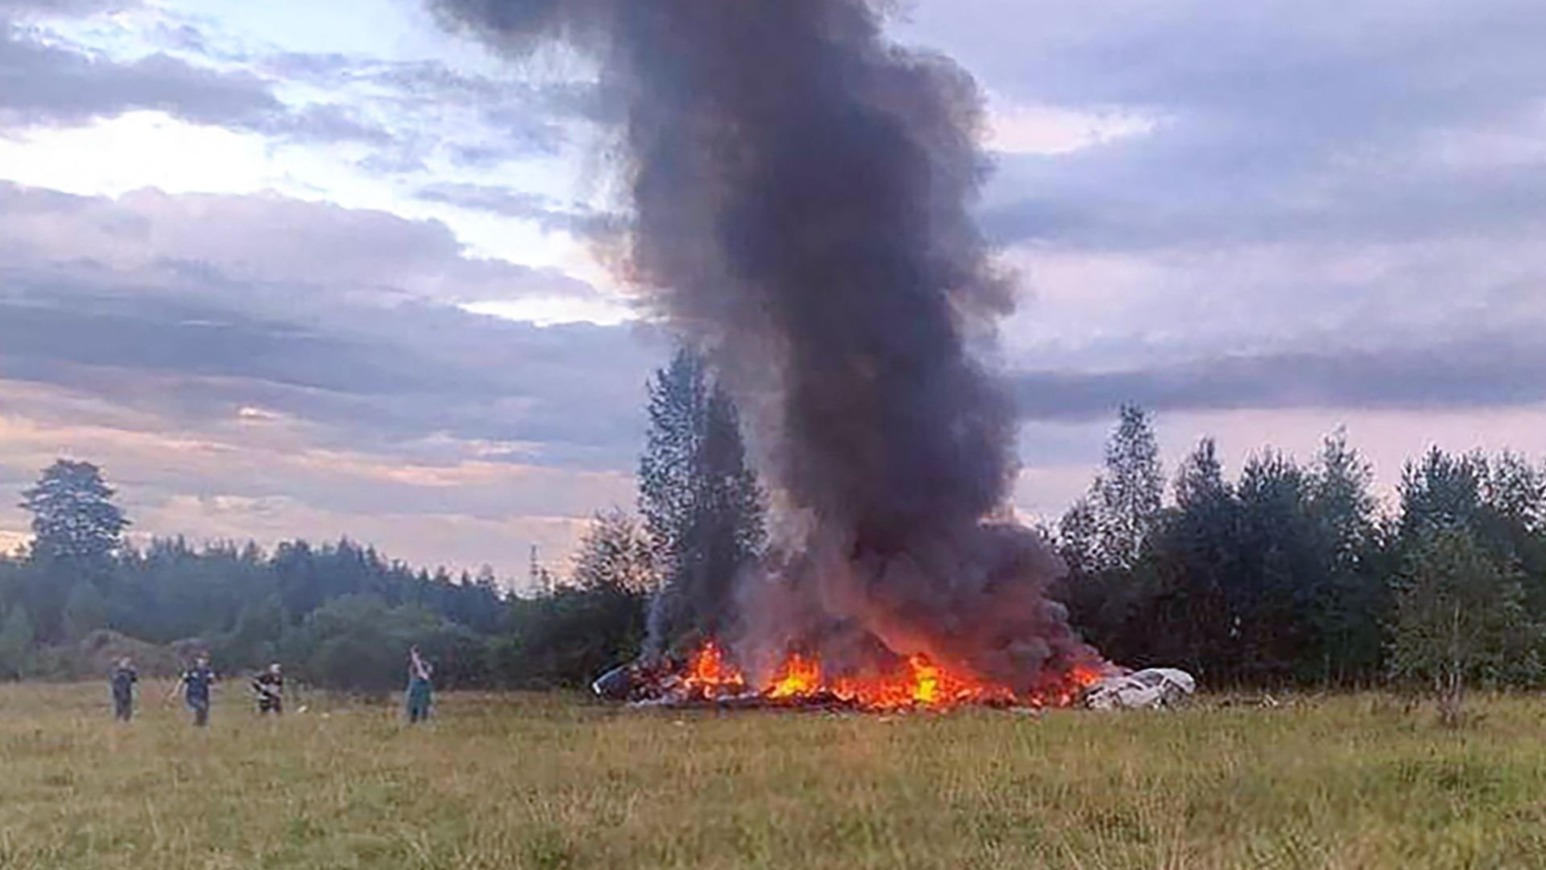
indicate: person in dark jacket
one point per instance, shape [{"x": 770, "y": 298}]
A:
[
  {"x": 268, "y": 686},
  {"x": 123, "y": 678},
  {"x": 195, "y": 684}
]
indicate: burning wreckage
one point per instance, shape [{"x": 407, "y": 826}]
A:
[
  {"x": 801, "y": 198},
  {"x": 708, "y": 679}
]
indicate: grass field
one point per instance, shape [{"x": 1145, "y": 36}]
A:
[{"x": 556, "y": 782}]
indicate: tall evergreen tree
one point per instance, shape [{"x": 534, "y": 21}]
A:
[
  {"x": 1103, "y": 537},
  {"x": 1515, "y": 521},
  {"x": 1515, "y": 490},
  {"x": 1196, "y": 607},
  {"x": 1349, "y": 601},
  {"x": 77, "y": 532},
  {"x": 1127, "y": 497},
  {"x": 73, "y": 515},
  {"x": 677, "y": 408},
  {"x": 1442, "y": 491},
  {"x": 702, "y": 505},
  {"x": 1200, "y": 479},
  {"x": 1280, "y": 562}
]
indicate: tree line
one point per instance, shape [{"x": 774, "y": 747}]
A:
[
  {"x": 1289, "y": 574},
  {"x": 1296, "y": 575}
]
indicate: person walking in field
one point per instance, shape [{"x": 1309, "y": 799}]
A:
[
  {"x": 195, "y": 684},
  {"x": 123, "y": 678},
  {"x": 420, "y": 689},
  {"x": 269, "y": 688}
]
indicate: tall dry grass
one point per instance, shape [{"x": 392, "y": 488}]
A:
[{"x": 555, "y": 782}]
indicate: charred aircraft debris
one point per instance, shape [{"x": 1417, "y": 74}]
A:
[{"x": 675, "y": 685}]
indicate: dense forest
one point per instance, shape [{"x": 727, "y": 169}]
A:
[
  {"x": 1288, "y": 575},
  {"x": 1295, "y": 574}
]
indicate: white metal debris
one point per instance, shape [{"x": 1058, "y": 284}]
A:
[{"x": 1150, "y": 688}]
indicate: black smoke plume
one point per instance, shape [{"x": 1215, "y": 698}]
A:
[{"x": 801, "y": 190}]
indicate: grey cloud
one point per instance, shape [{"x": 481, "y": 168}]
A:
[
  {"x": 322, "y": 123},
  {"x": 430, "y": 82},
  {"x": 43, "y": 84},
  {"x": 142, "y": 332},
  {"x": 1086, "y": 209},
  {"x": 1338, "y": 205},
  {"x": 408, "y": 111},
  {"x": 522, "y": 205},
  {"x": 63, "y": 8},
  {"x": 475, "y": 121},
  {"x": 264, "y": 244},
  {"x": 1304, "y": 70},
  {"x": 189, "y": 308},
  {"x": 1496, "y": 371},
  {"x": 479, "y": 156},
  {"x": 184, "y": 37},
  {"x": 1277, "y": 121},
  {"x": 570, "y": 395},
  {"x": 396, "y": 161},
  {"x": 50, "y": 84},
  {"x": 496, "y": 200}
]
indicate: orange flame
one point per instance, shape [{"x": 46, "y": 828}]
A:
[
  {"x": 925, "y": 680},
  {"x": 799, "y": 677},
  {"x": 920, "y": 684},
  {"x": 710, "y": 676}
]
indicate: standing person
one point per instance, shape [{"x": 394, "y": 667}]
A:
[
  {"x": 420, "y": 689},
  {"x": 123, "y": 678},
  {"x": 269, "y": 687},
  {"x": 195, "y": 683}
]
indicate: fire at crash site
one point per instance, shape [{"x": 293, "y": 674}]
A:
[
  {"x": 801, "y": 193},
  {"x": 799, "y": 681}
]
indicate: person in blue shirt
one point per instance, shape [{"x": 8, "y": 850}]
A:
[
  {"x": 195, "y": 684},
  {"x": 123, "y": 679}
]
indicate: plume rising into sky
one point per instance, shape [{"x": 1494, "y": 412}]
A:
[
  {"x": 280, "y": 266},
  {"x": 801, "y": 192}
]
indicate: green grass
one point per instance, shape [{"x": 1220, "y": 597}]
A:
[{"x": 555, "y": 782}]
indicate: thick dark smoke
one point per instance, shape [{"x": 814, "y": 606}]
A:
[{"x": 801, "y": 191}]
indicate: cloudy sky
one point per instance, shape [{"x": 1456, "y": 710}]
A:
[{"x": 298, "y": 268}]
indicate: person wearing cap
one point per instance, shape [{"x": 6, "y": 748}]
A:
[
  {"x": 268, "y": 685},
  {"x": 123, "y": 678}
]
